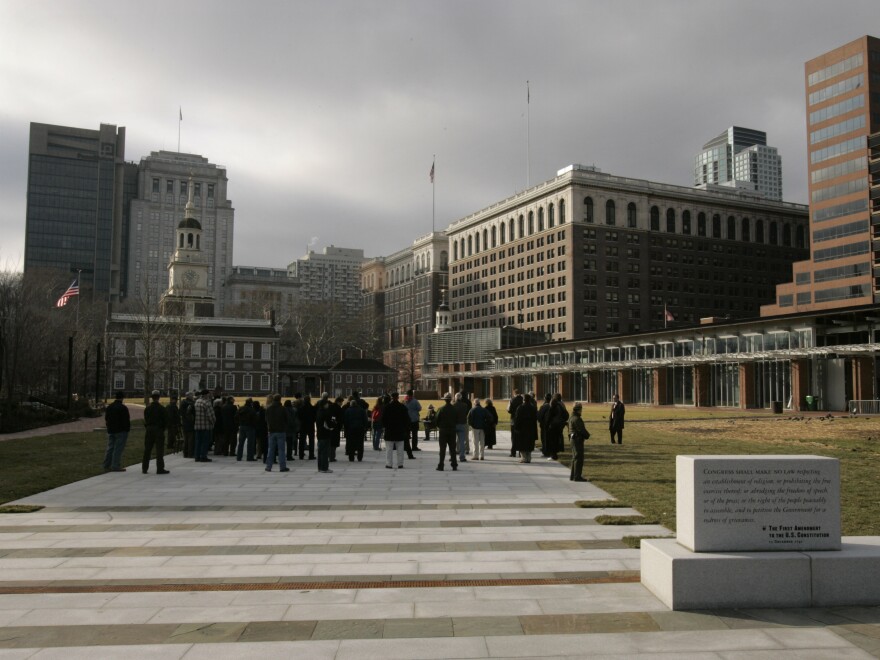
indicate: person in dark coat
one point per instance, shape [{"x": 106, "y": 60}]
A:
[
  {"x": 172, "y": 414},
  {"x": 616, "y": 419},
  {"x": 229, "y": 426},
  {"x": 544, "y": 422},
  {"x": 326, "y": 423},
  {"x": 218, "y": 425},
  {"x": 336, "y": 411},
  {"x": 292, "y": 432},
  {"x": 447, "y": 423},
  {"x": 155, "y": 421},
  {"x": 491, "y": 423},
  {"x": 262, "y": 431},
  {"x": 307, "y": 418},
  {"x": 525, "y": 424},
  {"x": 462, "y": 408},
  {"x": 355, "y": 420},
  {"x": 515, "y": 402},
  {"x": 578, "y": 434},
  {"x": 556, "y": 425},
  {"x": 247, "y": 431},
  {"x": 188, "y": 423},
  {"x": 397, "y": 428},
  {"x": 118, "y": 424}
]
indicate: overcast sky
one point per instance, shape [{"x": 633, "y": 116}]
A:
[{"x": 327, "y": 114}]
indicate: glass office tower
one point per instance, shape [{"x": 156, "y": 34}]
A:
[{"x": 77, "y": 204}]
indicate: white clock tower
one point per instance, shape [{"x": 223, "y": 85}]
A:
[{"x": 188, "y": 293}]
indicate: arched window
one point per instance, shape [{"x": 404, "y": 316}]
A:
[
  {"x": 670, "y": 220},
  {"x": 799, "y": 240},
  {"x": 786, "y": 235},
  {"x": 470, "y": 245},
  {"x": 655, "y": 219},
  {"x": 486, "y": 239},
  {"x": 551, "y": 218},
  {"x": 463, "y": 253},
  {"x": 189, "y": 240},
  {"x": 561, "y": 213},
  {"x": 716, "y": 226},
  {"x": 774, "y": 234},
  {"x": 444, "y": 260},
  {"x": 477, "y": 242},
  {"x": 522, "y": 227},
  {"x": 531, "y": 223},
  {"x": 731, "y": 228},
  {"x": 495, "y": 236},
  {"x": 701, "y": 224},
  {"x": 541, "y": 219},
  {"x": 610, "y": 215},
  {"x": 746, "y": 230},
  {"x": 686, "y": 223},
  {"x": 455, "y": 250},
  {"x": 759, "y": 231},
  {"x": 510, "y": 235},
  {"x": 588, "y": 209},
  {"x": 503, "y": 228},
  {"x": 632, "y": 219},
  {"x": 180, "y": 242}
]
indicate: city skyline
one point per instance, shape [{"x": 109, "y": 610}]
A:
[{"x": 329, "y": 116}]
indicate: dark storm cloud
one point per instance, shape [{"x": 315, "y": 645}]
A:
[{"x": 328, "y": 114}]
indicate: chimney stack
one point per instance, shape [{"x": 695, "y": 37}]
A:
[{"x": 342, "y": 354}]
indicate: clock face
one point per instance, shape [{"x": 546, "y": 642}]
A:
[{"x": 190, "y": 277}]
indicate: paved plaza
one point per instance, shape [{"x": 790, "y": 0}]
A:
[{"x": 224, "y": 560}]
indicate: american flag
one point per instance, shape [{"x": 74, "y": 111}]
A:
[
  {"x": 72, "y": 290},
  {"x": 668, "y": 315},
  {"x": 431, "y": 173}
]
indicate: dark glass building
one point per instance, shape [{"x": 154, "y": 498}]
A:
[{"x": 78, "y": 194}]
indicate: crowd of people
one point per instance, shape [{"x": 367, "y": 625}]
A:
[{"x": 277, "y": 432}]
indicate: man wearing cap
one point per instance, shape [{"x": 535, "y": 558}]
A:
[
  {"x": 118, "y": 425},
  {"x": 203, "y": 425},
  {"x": 155, "y": 421},
  {"x": 578, "y": 434},
  {"x": 447, "y": 422}
]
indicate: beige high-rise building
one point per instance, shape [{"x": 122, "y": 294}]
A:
[{"x": 843, "y": 109}]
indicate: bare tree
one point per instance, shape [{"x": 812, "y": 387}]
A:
[
  {"x": 31, "y": 329},
  {"x": 151, "y": 333}
]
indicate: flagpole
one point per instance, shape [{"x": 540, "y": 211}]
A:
[
  {"x": 528, "y": 136},
  {"x": 179, "y": 121},
  {"x": 433, "y": 196},
  {"x": 79, "y": 285}
]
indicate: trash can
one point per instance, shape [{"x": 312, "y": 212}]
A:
[
  {"x": 811, "y": 402},
  {"x": 776, "y": 406}
]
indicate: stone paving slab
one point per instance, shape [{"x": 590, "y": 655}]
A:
[{"x": 494, "y": 560}]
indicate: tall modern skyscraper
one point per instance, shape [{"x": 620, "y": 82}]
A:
[
  {"x": 162, "y": 194},
  {"x": 78, "y": 191},
  {"x": 740, "y": 158},
  {"x": 843, "y": 109}
]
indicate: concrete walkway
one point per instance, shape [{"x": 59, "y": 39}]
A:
[{"x": 224, "y": 560}]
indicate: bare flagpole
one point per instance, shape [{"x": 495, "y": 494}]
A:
[
  {"x": 433, "y": 197},
  {"x": 528, "y": 136},
  {"x": 179, "y": 121}
]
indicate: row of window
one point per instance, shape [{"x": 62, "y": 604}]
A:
[
  {"x": 501, "y": 232},
  {"x": 120, "y": 348},
  {"x": 183, "y": 187},
  {"x": 360, "y": 378},
  {"x": 230, "y": 381}
]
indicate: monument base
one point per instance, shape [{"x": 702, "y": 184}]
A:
[{"x": 685, "y": 580}]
